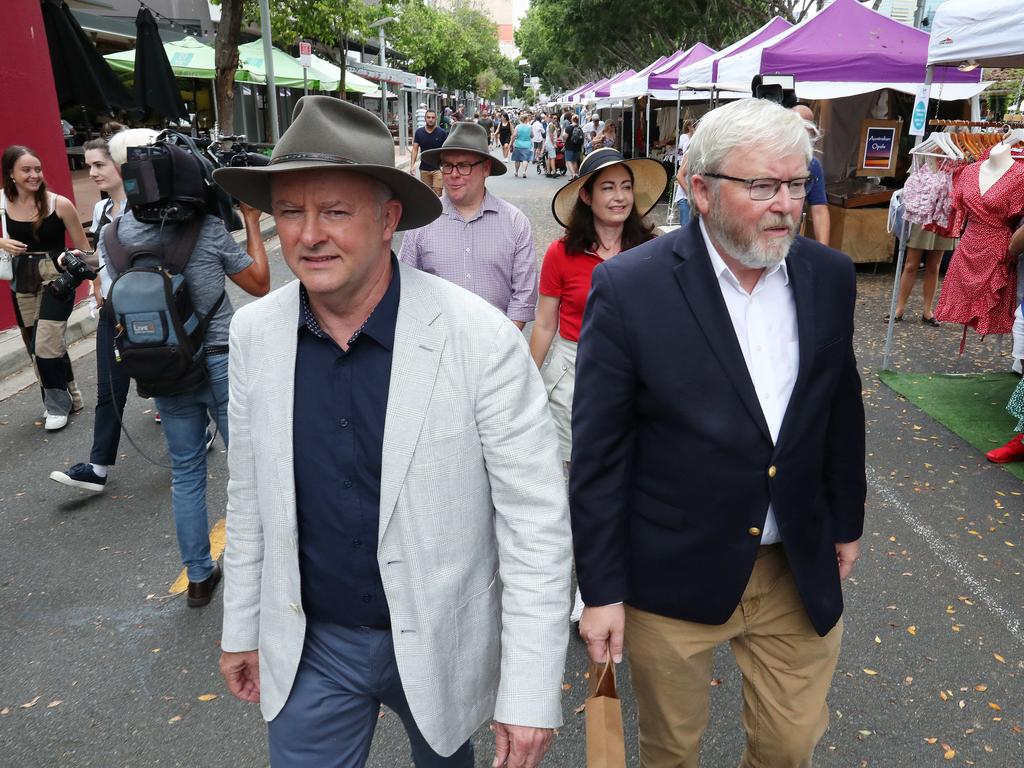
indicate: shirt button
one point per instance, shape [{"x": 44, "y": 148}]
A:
[
  {"x": 467, "y": 250},
  {"x": 366, "y": 598},
  {"x": 342, "y": 423},
  {"x": 357, "y": 542},
  {"x": 754, "y": 531},
  {"x": 347, "y": 484},
  {"x": 772, "y": 471}
]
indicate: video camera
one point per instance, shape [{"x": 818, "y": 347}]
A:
[
  {"x": 171, "y": 181},
  {"x": 778, "y": 88},
  {"x": 163, "y": 183}
]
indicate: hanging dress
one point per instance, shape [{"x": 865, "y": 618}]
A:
[{"x": 980, "y": 288}]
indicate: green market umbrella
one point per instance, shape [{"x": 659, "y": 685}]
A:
[
  {"x": 287, "y": 71},
  {"x": 329, "y": 75},
  {"x": 188, "y": 58}
]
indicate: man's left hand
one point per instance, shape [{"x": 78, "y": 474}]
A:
[
  {"x": 520, "y": 746},
  {"x": 847, "y": 554}
]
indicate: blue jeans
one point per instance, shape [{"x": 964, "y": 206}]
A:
[
  {"x": 344, "y": 675},
  {"x": 184, "y": 419},
  {"x": 684, "y": 211}
]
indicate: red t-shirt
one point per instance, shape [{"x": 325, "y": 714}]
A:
[{"x": 566, "y": 277}]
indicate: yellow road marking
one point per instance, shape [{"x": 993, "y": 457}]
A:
[{"x": 218, "y": 538}]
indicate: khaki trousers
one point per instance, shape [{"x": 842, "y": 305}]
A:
[{"x": 787, "y": 670}]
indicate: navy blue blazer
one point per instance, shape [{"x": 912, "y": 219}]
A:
[{"x": 673, "y": 464}]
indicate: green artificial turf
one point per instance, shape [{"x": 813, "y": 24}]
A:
[{"x": 973, "y": 406}]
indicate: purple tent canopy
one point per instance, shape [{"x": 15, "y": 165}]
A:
[
  {"x": 604, "y": 90},
  {"x": 665, "y": 76},
  {"x": 592, "y": 88},
  {"x": 579, "y": 91},
  {"x": 848, "y": 42},
  {"x": 776, "y": 26}
]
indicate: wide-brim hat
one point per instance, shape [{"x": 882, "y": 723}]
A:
[
  {"x": 649, "y": 181},
  {"x": 331, "y": 133},
  {"x": 466, "y": 137}
]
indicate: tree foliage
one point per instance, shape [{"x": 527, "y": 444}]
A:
[{"x": 569, "y": 42}]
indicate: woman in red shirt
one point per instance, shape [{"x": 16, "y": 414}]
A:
[{"x": 602, "y": 211}]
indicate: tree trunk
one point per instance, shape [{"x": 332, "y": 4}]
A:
[{"x": 226, "y": 59}]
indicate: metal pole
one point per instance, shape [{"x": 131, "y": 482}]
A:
[
  {"x": 383, "y": 82},
  {"x": 647, "y": 147},
  {"x": 268, "y": 62},
  {"x": 305, "y": 81},
  {"x": 904, "y": 234},
  {"x": 403, "y": 121}
]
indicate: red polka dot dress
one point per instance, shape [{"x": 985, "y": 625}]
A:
[{"x": 980, "y": 287}]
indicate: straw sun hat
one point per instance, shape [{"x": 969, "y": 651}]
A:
[{"x": 649, "y": 181}]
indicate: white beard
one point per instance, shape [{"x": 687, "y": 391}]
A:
[{"x": 744, "y": 246}]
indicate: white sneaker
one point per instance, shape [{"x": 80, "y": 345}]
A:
[
  {"x": 55, "y": 422},
  {"x": 577, "y": 607}
]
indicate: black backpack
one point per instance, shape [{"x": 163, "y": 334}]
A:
[
  {"x": 159, "y": 334},
  {"x": 576, "y": 137}
]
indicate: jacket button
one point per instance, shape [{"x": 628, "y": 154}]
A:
[
  {"x": 772, "y": 471},
  {"x": 294, "y": 607},
  {"x": 754, "y": 531}
]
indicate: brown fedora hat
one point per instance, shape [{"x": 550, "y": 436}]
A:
[
  {"x": 331, "y": 133},
  {"x": 466, "y": 137}
]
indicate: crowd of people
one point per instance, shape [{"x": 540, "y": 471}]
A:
[{"x": 389, "y": 407}]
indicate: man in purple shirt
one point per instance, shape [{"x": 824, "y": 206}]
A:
[{"x": 479, "y": 242}]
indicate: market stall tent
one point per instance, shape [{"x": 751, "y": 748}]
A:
[
  {"x": 636, "y": 85},
  {"x": 987, "y": 33},
  {"x": 706, "y": 69},
  {"x": 845, "y": 50},
  {"x": 188, "y": 58},
  {"x": 664, "y": 77}
]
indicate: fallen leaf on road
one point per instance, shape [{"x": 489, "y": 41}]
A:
[
  {"x": 949, "y": 754},
  {"x": 5, "y": 711},
  {"x": 175, "y": 719},
  {"x": 30, "y": 704},
  {"x": 981, "y": 688},
  {"x": 996, "y": 707},
  {"x": 912, "y": 630},
  {"x": 999, "y": 658},
  {"x": 870, "y": 672},
  {"x": 207, "y": 697},
  {"x": 579, "y": 709},
  {"x": 54, "y": 703}
]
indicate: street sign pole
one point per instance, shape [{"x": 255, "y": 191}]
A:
[{"x": 305, "y": 58}]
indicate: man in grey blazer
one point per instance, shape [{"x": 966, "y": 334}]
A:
[{"x": 397, "y": 524}]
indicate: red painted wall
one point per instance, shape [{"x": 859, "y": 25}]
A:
[{"x": 28, "y": 104}]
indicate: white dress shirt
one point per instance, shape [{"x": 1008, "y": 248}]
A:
[{"x": 765, "y": 324}]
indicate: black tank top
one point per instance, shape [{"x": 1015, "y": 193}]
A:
[{"x": 49, "y": 236}]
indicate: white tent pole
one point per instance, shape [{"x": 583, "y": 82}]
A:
[
  {"x": 647, "y": 148},
  {"x": 902, "y": 253}
]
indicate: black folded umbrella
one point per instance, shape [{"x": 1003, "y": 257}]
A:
[
  {"x": 80, "y": 73},
  {"x": 156, "y": 90}
]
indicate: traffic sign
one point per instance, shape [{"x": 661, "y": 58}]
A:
[{"x": 305, "y": 53}]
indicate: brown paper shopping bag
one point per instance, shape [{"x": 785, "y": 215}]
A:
[{"x": 606, "y": 746}]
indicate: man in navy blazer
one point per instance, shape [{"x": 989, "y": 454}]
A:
[{"x": 717, "y": 485}]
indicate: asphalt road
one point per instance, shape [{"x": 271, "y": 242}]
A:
[{"x": 101, "y": 668}]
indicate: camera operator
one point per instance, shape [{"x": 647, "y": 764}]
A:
[
  {"x": 104, "y": 160},
  {"x": 35, "y": 224},
  {"x": 184, "y": 415}
]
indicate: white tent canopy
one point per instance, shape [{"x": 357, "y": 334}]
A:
[{"x": 988, "y": 33}]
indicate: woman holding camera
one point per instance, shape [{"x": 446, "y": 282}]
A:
[{"x": 35, "y": 223}]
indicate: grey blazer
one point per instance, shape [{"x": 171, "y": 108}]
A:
[{"x": 474, "y": 545}]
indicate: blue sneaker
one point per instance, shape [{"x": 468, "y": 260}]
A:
[{"x": 81, "y": 476}]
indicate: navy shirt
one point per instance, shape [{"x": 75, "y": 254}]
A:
[
  {"x": 341, "y": 401},
  {"x": 429, "y": 140}
]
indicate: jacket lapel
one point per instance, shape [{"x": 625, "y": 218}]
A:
[
  {"x": 414, "y": 365},
  {"x": 700, "y": 287},
  {"x": 280, "y": 343},
  {"x": 802, "y": 280}
]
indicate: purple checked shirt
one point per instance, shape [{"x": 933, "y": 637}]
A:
[{"x": 491, "y": 255}]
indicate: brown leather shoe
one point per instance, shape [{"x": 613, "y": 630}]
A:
[{"x": 200, "y": 592}]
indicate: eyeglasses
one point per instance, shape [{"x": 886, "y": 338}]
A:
[
  {"x": 765, "y": 189},
  {"x": 464, "y": 169}
]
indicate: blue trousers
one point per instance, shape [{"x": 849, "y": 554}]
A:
[
  {"x": 112, "y": 385},
  {"x": 345, "y": 674}
]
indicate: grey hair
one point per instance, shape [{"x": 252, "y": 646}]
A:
[
  {"x": 746, "y": 124},
  {"x": 118, "y": 144},
  {"x": 381, "y": 194}
]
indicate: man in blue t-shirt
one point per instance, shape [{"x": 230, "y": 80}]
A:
[
  {"x": 817, "y": 203},
  {"x": 428, "y": 137}
]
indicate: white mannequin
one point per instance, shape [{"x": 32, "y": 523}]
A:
[{"x": 992, "y": 170}]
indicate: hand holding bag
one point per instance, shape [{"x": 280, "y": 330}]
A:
[
  {"x": 606, "y": 745},
  {"x": 6, "y": 259}
]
